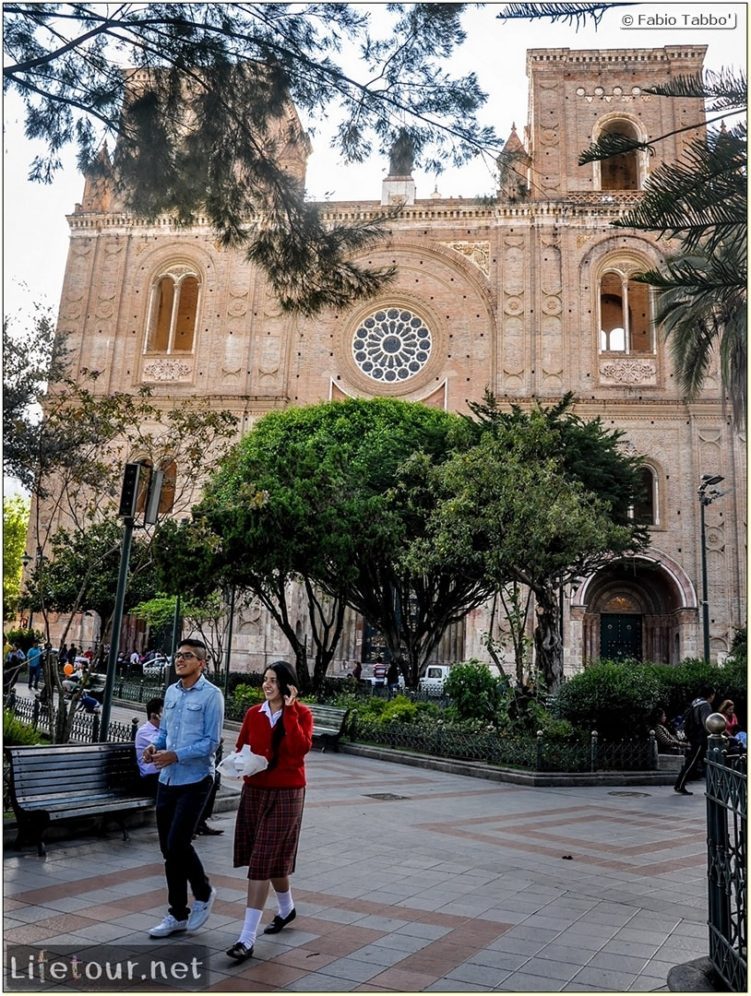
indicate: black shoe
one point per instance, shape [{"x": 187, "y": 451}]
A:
[
  {"x": 682, "y": 791},
  {"x": 240, "y": 951},
  {"x": 280, "y": 921},
  {"x": 204, "y": 830}
]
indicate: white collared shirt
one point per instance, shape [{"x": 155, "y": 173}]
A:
[{"x": 273, "y": 716}]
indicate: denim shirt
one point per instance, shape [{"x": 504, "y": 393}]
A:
[{"x": 191, "y": 726}]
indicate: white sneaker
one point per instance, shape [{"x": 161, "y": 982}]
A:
[
  {"x": 200, "y": 912},
  {"x": 169, "y": 925}
]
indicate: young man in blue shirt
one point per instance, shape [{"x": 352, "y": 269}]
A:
[{"x": 183, "y": 752}]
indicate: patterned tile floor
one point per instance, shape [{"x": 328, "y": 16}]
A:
[{"x": 454, "y": 885}]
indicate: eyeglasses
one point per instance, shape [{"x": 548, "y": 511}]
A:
[{"x": 180, "y": 656}]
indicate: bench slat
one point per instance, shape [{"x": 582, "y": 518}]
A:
[{"x": 59, "y": 782}]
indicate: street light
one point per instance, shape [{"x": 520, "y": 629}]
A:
[{"x": 706, "y": 497}]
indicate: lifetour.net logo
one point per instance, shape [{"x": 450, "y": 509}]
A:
[{"x": 54, "y": 968}]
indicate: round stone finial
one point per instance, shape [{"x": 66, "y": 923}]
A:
[{"x": 715, "y": 723}]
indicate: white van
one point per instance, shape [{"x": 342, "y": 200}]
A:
[{"x": 434, "y": 679}]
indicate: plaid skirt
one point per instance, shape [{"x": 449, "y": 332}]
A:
[{"x": 267, "y": 831}]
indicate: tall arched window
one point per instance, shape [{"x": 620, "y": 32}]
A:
[
  {"x": 173, "y": 311},
  {"x": 620, "y": 172},
  {"x": 645, "y": 505},
  {"x": 625, "y": 311}
]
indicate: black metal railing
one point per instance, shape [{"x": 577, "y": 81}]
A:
[
  {"x": 533, "y": 753},
  {"x": 85, "y": 727},
  {"x": 727, "y": 802}
]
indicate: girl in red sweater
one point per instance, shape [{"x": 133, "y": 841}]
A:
[{"x": 270, "y": 811}]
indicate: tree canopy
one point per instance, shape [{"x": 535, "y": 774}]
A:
[
  {"x": 201, "y": 118},
  {"x": 15, "y": 527},
  {"x": 543, "y": 498},
  {"x": 325, "y": 495}
]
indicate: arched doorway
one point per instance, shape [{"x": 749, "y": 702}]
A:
[{"x": 637, "y": 608}]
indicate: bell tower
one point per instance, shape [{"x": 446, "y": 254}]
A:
[{"x": 576, "y": 96}]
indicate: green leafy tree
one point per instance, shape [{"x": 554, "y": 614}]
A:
[
  {"x": 207, "y": 619},
  {"x": 203, "y": 123},
  {"x": 31, "y": 358},
  {"x": 542, "y": 499},
  {"x": 325, "y": 496},
  {"x": 15, "y": 527}
]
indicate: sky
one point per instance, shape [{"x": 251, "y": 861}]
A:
[{"x": 35, "y": 231}]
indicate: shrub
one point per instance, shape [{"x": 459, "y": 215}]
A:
[
  {"x": 400, "y": 710},
  {"x": 24, "y": 638},
  {"x": 681, "y": 683},
  {"x": 18, "y": 734},
  {"x": 474, "y": 692},
  {"x": 613, "y": 698},
  {"x": 245, "y": 696}
]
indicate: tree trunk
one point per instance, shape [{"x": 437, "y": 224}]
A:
[{"x": 548, "y": 642}]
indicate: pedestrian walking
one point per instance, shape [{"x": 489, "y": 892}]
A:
[
  {"x": 392, "y": 679},
  {"x": 34, "y": 660},
  {"x": 184, "y": 754},
  {"x": 270, "y": 812},
  {"x": 696, "y": 734}
]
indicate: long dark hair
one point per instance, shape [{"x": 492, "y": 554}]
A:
[{"x": 285, "y": 677}]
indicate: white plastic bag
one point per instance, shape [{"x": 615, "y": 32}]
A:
[{"x": 236, "y": 766}]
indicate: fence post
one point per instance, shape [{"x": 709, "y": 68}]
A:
[
  {"x": 717, "y": 842},
  {"x": 133, "y": 728},
  {"x": 95, "y": 728},
  {"x": 140, "y": 691},
  {"x": 35, "y": 714},
  {"x": 653, "y": 750},
  {"x": 538, "y": 755},
  {"x": 593, "y": 752}
]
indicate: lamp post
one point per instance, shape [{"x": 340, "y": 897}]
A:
[{"x": 706, "y": 497}]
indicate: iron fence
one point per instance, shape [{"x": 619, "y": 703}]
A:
[
  {"x": 85, "y": 728},
  {"x": 490, "y": 746},
  {"x": 727, "y": 802}
]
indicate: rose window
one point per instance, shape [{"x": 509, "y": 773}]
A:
[{"x": 392, "y": 345}]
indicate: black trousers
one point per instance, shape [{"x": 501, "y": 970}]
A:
[
  {"x": 691, "y": 764},
  {"x": 178, "y": 810}
]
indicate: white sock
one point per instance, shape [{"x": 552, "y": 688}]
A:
[
  {"x": 250, "y": 926},
  {"x": 286, "y": 903}
]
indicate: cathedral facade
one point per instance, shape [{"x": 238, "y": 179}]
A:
[{"x": 530, "y": 294}]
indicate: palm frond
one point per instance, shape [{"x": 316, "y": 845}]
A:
[
  {"x": 724, "y": 90},
  {"x": 569, "y": 13},
  {"x": 612, "y": 144}
]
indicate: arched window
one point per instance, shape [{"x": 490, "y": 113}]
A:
[
  {"x": 621, "y": 172},
  {"x": 645, "y": 505},
  {"x": 625, "y": 311},
  {"x": 173, "y": 311}
]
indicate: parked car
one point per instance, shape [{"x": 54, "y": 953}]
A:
[
  {"x": 434, "y": 679},
  {"x": 156, "y": 667}
]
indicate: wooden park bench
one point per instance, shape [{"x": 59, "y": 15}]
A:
[
  {"x": 67, "y": 782},
  {"x": 328, "y": 724}
]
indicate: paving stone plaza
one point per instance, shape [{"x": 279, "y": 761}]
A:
[{"x": 411, "y": 880}]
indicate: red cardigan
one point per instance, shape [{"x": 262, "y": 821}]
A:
[{"x": 256, "y": 730}]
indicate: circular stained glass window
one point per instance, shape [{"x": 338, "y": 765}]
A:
[{"x": 392, "y": 345}]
